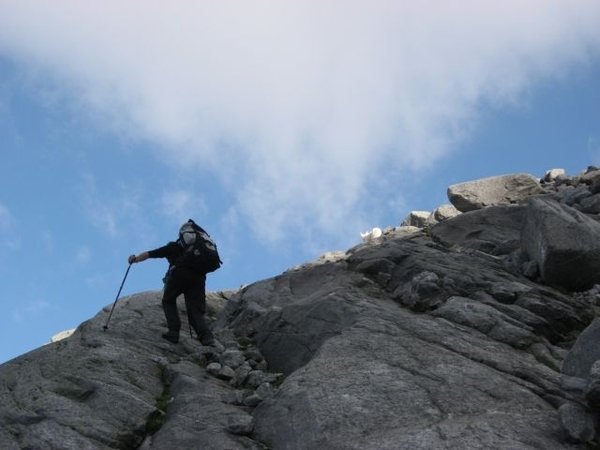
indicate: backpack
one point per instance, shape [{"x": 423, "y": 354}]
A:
[{"x": 199, "y": 250}]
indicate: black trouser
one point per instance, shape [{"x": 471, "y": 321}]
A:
[{"x": 182, "y": 280}]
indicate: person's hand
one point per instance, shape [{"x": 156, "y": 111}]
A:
[{"x": 131, "y": 259}]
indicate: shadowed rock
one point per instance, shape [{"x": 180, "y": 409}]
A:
[{"x": 488, "y": 229}]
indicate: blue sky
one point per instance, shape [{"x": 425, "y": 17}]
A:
[{"x": 283, "y": 128}]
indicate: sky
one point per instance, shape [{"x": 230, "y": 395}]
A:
[{"x": 284, "y": 128}]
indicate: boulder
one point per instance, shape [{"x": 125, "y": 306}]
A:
[
  {"x": 563, "y": 242},
  {"x": 498, "y": 190},
  {"x": 553, "y": 174},
  {"x": 416, "y": 219},
  {"x": 444, "y": 212}
]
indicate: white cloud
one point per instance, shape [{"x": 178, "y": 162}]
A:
[{"x": 299, "y": 106}]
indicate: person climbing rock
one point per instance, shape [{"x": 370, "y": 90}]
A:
[{"x": 190, "y": 258}]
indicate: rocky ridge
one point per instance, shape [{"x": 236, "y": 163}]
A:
[{"x": 472, "y": 326}]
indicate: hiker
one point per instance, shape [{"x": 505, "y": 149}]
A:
[{"x": 185, "y": 276}]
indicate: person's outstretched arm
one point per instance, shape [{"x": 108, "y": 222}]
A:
[{"x": 170, "y": 250}]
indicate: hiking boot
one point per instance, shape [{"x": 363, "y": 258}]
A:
[{"x": 171, "y": 337}]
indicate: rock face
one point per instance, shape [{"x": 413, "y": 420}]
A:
[{"x": 422, "y": 338}]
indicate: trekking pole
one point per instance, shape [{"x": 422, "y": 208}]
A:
[{"x": 115, "y": 303}]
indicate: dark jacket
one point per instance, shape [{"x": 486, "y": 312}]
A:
[
  {"x": 174, "y": 254},
  {"x": 172, "y": 251}
]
